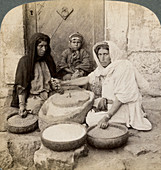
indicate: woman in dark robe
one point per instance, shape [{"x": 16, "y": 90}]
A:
[{"x": 33, "y": 76}]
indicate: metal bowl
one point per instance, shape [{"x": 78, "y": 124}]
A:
[
  {"x": 16, "y": 124},
  {"x": 63, "y": 145},
  {"x": 108, "y": 142}
]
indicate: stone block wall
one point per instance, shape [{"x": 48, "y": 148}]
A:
[
  {"x": 137, "y": 31},
  {"x": 11, "y": 49},
  {"x": 144, "y": 41},
  {"x": 134, "y": 28}
]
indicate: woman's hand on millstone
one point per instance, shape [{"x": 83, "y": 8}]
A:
[
  {"x": 55, "y": 84},
  {"x": 22, "y": 112}
]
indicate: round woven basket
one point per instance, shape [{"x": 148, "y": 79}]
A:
[
  {"x": 108, "y": 142},
  {"x": 64, "y": 145},
  {"x": 28, "y": 124}
]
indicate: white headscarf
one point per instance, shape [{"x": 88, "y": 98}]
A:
[
  {"x": 116, "y": 56},
  {"x": 124, "y": 69}
]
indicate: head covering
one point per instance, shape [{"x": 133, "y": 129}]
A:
[
  {"x": 76, "y": 35},
  {"x": 115, "y": 54},
  {"x": 25, "y": 68},
  {"x": 32, "y": 50},
  {"x": 103, "y": 45}
]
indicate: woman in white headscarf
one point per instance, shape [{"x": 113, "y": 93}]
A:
[{"x": 116, "y": 84}]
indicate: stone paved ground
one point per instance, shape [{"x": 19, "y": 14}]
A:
[{"x": 142, "y": 151}]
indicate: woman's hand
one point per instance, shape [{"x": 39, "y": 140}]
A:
[
  {"x": 103, "y": 105},
  {"x": 81, "y": 73},
  {"x": 22, "y": 111},
  {"x": 75, "y": 75},
  {"x": 103, "y": 123},
  {"x": 55, "y": 84}
]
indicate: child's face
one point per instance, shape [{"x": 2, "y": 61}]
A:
[{"x": 75, "y": 43}]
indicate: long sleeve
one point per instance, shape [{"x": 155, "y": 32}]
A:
[
  {"x": 85, "y": 64},
  {"x": 63, "y": 61},
  {"x": 21, "y": 81},
  {"x": 142, "y": 83},
  {"x": 125, "y": 85}
]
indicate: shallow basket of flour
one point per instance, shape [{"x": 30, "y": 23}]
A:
[
  {"x": 114, "y": 136},
  {"x": 64, "y": 136}
]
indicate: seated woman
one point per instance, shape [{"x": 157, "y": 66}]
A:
[
  {"x": 33, "y": 81},
  {"x": 118, "y": 83}
]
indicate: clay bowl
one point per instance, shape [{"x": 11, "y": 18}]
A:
[
  {"x": 114, "y": 136},
  {"x": 16, "y": 124},
  {"x": 64, "y": 136}
]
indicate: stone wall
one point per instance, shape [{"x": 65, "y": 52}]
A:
[
  {"x": 87, "y": 18},
  {"x": 11, "y": 49},
  {"x": 136, "y": 30}
]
